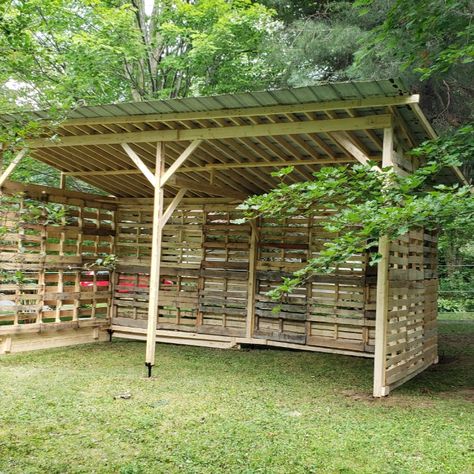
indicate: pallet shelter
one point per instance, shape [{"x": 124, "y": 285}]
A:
[{"x": 172, "y": 173}]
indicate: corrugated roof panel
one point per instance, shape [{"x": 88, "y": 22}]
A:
[
  {"x": 229, "y": 101},
  {"x": 266, "y": 98}
]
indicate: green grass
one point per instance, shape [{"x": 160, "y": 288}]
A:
[
  {"x": 250, "y": 411},
  {"x": 456, "y": 316}
]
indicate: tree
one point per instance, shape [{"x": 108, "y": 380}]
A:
[{"x": 59, "y": 53}]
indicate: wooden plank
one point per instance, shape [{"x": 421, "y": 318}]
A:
[
  {"x": 178, "y": 182},
  {"x": 287, "y": 128},
  {"x": 172, "y": 206},
  {"x": 139, "y": 164},
  {"x": 180, "y": 160},
  {"x": 49, "y": 194},
  {"x": 252, "y": 280},
  {"x": 228, "y": 166},
  {"x": 351, "y": 147}
]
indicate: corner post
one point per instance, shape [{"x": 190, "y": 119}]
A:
[
  {"x": 381, "y": 309},
  {"x": 153, "y": 302},
  {"x": 252, "y": 280}
]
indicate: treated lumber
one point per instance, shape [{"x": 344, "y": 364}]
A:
[
  {"x": 381, "y": 310},
  {"x": 249, "y": 111},
  {"x": 172, "y": 206},
  {"x": 178, "y": 182},
  {"x": 351, "y": 147},
  {"x": 155, "y": 259},
  {"x": 242, "y": 131},
  {"x": 140, "y": 164},
  {"x": 46, "y": 193},
  {"x": 228, "y": 166},
  {"x": 180, "y": 160},
  {"x": 11, "y": 167}
]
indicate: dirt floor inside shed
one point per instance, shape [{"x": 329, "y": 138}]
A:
[{"x": 89, "y": 409}]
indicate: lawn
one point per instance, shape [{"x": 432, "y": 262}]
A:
[{"x": 249, "y": 411}]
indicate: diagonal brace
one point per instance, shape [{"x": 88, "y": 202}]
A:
[
  {"x": 172, "y": 207},
  {"x": 11, "y": 167},
  {"x": 140, "y": 164},
  {"x": 180, "y": 160}
]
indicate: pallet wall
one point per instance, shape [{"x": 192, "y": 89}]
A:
[
  {"x": 411, "y": 339},
  {"x": 205, "y": 273},
  {"x": 50, "y": 295},
  {"x": 46, "y": 283}
]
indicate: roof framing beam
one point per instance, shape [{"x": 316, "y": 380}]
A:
[
  {"x": 249, "y": 111},
  {"x": 242, "y": 131},
  {"x": 178, "y": 182},
  {"x": 432, "y": 134},
  {"x": 227, "y": 166}
]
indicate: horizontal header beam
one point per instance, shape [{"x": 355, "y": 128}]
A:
[
  {"x": 249, "y": 111},
  {"x": 178, "y": 182},
  {"x": 228, "y": 166},
  {"x": 288, "y": 128}
]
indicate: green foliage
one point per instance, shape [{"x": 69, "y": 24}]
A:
[
  {"x": 63, "y": 52},
  {"x": 430, "y": 36},
  {"x": 363, "y": 203},
  {"x": 108, "y": 261}
]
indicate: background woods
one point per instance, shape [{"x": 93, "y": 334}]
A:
[{"x": 61, "y": 54}]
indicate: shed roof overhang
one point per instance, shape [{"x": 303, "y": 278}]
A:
[{"x": 236, "y": 140}]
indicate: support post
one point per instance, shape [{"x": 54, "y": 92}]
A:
[
  {"x": 153, "y": 302},
  {"x": 62, "y": 180},
  {"x": 381, "y": 309},
  {"x": 252, "y": 280}
]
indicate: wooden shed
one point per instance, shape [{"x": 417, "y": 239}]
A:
[{"x": 173, "y": 172}]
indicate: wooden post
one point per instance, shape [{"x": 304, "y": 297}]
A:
[
  {"x": 62, "y": 180},
  {"x": 153, "y": 302},
  {"x": 252, "y": 280},
  {"x": 381, "y": 309}
]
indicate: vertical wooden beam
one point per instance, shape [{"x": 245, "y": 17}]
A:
[
  {"x": 153, "y": 302},
  {"x": 252, "y": 280},
  {"x": 381, "y": 308},
  {"x": 11, "y": 167},
  {"x": 62, "y": 180}
]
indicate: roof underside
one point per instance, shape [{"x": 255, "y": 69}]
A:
[{"x": 242, "y": 163}]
